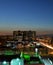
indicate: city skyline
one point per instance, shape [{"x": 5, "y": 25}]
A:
[{"x": 26, "y": 15}]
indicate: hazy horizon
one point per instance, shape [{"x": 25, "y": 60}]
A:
[{"x": 37, "y": 32}]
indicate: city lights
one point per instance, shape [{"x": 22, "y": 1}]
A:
[
  {"x": 29, "y": 52},
  {"x": 26, "y": 32},
  {"x": 46, "y": 45}
]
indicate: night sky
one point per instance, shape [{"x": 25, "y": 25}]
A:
[{"x": 26, "y": 15}]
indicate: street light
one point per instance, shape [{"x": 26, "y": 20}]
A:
[{"x": 36, "y": 50}]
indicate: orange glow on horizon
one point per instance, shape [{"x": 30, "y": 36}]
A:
[
  {"x": 10, "y": 32},
  {"x": 6, "y": 33}
]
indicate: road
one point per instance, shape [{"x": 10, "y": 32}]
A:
[{"x": 46, "y": 45}]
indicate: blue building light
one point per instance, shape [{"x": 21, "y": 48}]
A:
[{"x": 17, "y": 61}]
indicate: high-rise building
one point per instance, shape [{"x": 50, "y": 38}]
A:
[
  {"x": 24, "y": 35},
  {"x": 17, "y": 35}
]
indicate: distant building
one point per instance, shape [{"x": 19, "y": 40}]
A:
[
  {"x": 4, "y": 38},
  {"x": 24, "y": 35},
  {"x": 17, "y": 35}
]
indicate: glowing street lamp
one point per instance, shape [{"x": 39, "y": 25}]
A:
[{"x": 36, "y": 50}]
